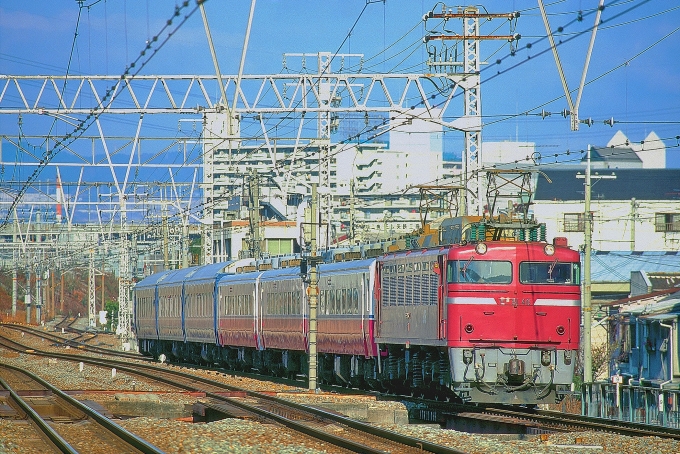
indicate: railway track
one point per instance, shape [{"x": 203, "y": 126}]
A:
[
  {"x": 79, "y": 341},
  {"x": 62, "y": 423},
  {"x": 331, "y": 428},
  {"x": 537, "y": 421}
]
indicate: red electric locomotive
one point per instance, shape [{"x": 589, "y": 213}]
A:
[
  {"x": 487, "y": 317},
  {"x": 493, "y": 321}
]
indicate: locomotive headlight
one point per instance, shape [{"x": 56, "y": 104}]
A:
[
  {"x": 480, "y": 248},
  {"x": 467, "y": 356},
  {"x": 545, "y": 357},
  {"x": 549, "y": 249}
]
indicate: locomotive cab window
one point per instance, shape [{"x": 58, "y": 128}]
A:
[
  {"x": 550, "y": 273},
  {"x": 479, "y": 271}
]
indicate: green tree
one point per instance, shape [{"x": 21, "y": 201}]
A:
[{"x": 111, "y": 308}]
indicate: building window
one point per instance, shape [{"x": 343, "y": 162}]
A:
[
  {"x": 574, "y": 222},
  {"x": 279, "y": 246},
  {"x": 667, "y": 222}
]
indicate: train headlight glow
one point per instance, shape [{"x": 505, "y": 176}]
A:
[
  {"x": 480, "y": 248},
  {"x": 549, "y": 249}
]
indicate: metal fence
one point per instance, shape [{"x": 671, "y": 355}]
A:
[{"x": 638, "y": 404}]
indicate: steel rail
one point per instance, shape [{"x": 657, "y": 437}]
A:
[
  {"x": 156, "y": 373},
  {"x": 73, "y": 342},
  {"x": 59, "y": 443},
  {"x": 588, "y": 422},
  {"x": 545, "y": 417},
  {"x": 116, "y": 430}
]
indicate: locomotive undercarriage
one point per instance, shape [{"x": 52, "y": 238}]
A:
[
  {"x": 522, "y": 376},
  {"x": 512, "y": 376}
]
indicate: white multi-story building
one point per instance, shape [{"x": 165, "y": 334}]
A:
[
  {"x": 638, "y": 210},
  {"x": 374, "y": 196},
  {"x": 412, "y": 156}
]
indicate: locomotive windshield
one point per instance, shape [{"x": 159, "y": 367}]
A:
[
  {"x": 549, "y": 273},
  {"x": 479, "y": 271}
]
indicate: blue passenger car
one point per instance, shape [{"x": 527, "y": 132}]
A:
[
  {"x": 145, "y": 304},
  {"x": 199, "y": 310}
]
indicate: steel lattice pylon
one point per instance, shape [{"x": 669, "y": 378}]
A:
[{"x": 472, "y": 199}]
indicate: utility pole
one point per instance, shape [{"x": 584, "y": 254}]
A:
[
  {"x": 166, "y": 239},
  {"x": 352, "y": 211},
  {"x": 324, "y": 132},
  {"x": 124, "y": 283},
  {"x": 185, "y": 241},
  {"x": 15, "y": 283},
  {"x": 587, "y": 295},
  {"x": 587, "y": 314},
  {"x": 61, "y": 290},
  {"x": 53, "y": 309},
  {"x": 103, "y": 287},
  {"x": 313, "y": 291},
  {"x": 27, "y": 296},
  {"x": 633, "y": 216},
  {"x": 38, "y": 291},
  {"x": 254, "y": 216}
]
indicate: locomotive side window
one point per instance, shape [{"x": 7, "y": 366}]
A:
[
  {"x": 479, "y": 271},
  {"x": 549, "y": 273}
]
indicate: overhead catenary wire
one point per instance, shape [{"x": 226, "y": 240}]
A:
[{"x": 130, "y": 72}]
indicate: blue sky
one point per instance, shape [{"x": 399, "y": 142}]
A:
[{"x": 36, "y": 37}]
